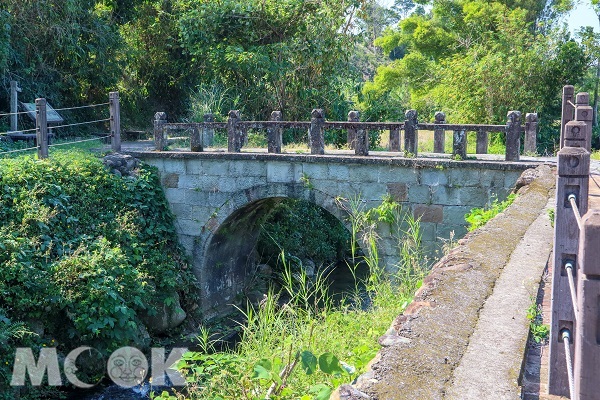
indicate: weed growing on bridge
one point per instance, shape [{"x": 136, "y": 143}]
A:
[
  {"x": 308, "y": 346},
  {"x": 478, "y": 217}
]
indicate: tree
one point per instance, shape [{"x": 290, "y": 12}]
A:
[
  {"x": 476, "y": 60},
  {"x": 288, "y": 55},
  {"x": 67, "y": 51}
]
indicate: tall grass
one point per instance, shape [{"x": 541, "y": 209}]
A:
[{"x": 306, "y": 346}]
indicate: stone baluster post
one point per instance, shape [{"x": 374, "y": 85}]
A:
[
  {"x": 160, "y": 133},
  {"x": 316, "y": 136},
  {"x": 275, "y": 133},
  {"x": 234, "y": 133},
  {"x": 208, "y": 131},
  {"x": 513, "y": 136},
  {"x": 411, "y": 133},
  {"x": 439, "y": 133},
  {"x": 353, "y": 116},
  {"x": 531, "y": 127},
  {"x": 483, "y": 140},
  {"x": 459, "y": 144},
  {"x": 584, "y": 112}
]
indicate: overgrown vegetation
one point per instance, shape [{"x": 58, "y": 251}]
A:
[
  {"x": 538, "y": 331},
  {"x": 478, "y": 217},
  {"x": 304, "y": 231},
  {"x": 309, "y": 345},
  {"x": 84, "y": 254},
  {"x": 472, "y": 59}
]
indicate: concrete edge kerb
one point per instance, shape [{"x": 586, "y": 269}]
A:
[{"x": 342, "y": 159}]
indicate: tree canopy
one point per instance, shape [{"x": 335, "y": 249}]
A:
[{"x": 473, "y": 59}]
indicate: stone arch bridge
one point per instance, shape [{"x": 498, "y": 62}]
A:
[{"x": 218, "y": 199}]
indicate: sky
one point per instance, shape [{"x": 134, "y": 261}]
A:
[{"x": 583, "y": 15}]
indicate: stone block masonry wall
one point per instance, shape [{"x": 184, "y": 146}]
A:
[{"x": 206, "y": 189}]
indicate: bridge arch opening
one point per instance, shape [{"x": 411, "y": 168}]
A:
[{"x": 246, "y": 244}]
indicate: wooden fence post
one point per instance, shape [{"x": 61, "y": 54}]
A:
[
  {"x": 41, "y": 124},
  {"x": 483, "y": 140},
  {"x": 14, "y": 104},
  {"x": 439, "y": 134},
  {"x": 531, "y": 125},
  {"x": 275, "y": 133},
  {"x": 196, "y": 137},
  {"x": 411, "y": 134},
  {"x": 585, "y": 113},
  {"x": 235, "y": 138},
  {"x": 315, "y": 136},
  {"x": 573, "y": 178},
  {"x": 568, "y": 111},
  {"x": 160, "y": 133},
  {"x": 208, "y": 132},
  {"x": 353, "y": 116},
  {"x": 587, "y": 339},
  {"x": 115, "y": 121},
  {"x": 513, "y": 135},
  {"x": 459, "y": 144}
]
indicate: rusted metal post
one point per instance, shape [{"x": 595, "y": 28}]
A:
[
  {"x": 483, "y": 140},
  {"x": 587, "y": 338},
  {"x": 573, "y": 179},
  {"x": 196, "y": 140},
  {"x": 439, "y": 134},
  {"x": 41, "y": 125},
  {"x": 208, "y": 132},
  {"x": 585, "y": 113},
  {"x": 235, "y": 135},
  {"x": 353, "y": 116},
  {"x": 411, "y": 133},
  {"x": 513, "y": 135},
  {"x": 115, "y": 121},
  {"x": 531, "y": 126},
  {"x": 315, "y": 135},
  {"x": 275, "y": 133},
  {"x": 459, "y": 145},
  {"x": 160, "y": 133},
  {"x": 568, "y": 111}
]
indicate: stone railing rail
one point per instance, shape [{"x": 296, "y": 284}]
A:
[
  {"x": 575, "y": 320},
  {"x": 202, "y": 133}
]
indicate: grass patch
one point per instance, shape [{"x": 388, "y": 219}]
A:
[
  {"x": 478, "y": 217},
  {"x": 309, "y": 345}
]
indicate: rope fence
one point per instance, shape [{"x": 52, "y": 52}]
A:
[
  {"x": 43, "y": 129},
  {"x": 79, "y": 141}
]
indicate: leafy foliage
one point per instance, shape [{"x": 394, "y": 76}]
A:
[
  {"x": 478, "y": 217},
  {"x": 85, "y": 251},
  {"x": 305, "y": 231},
  {"x": 476, "y": 60}
]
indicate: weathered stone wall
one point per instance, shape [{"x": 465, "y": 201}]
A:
[{"x": 217, "y": 198}]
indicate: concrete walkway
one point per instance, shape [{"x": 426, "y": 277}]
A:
[{"x": 490, "y": 367}]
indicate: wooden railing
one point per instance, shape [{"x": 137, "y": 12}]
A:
[
  {"x": 202, "y": 133},
  {"x": 575, "y": 319}
]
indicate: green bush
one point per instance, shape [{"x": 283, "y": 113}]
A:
[
  {"x": 305, "y": 231},
  {"x": 84, "y": 251}
]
